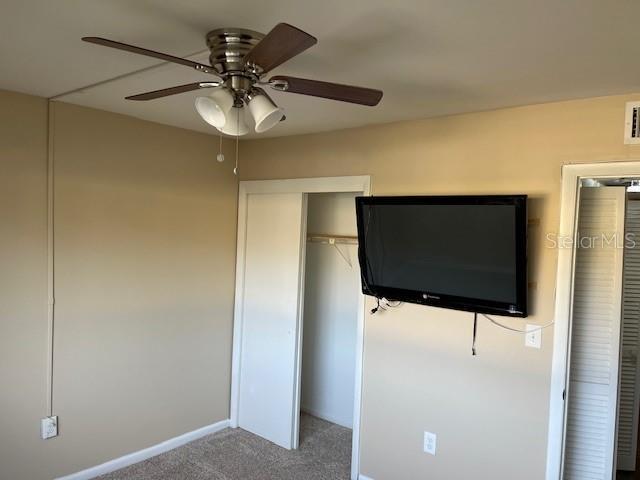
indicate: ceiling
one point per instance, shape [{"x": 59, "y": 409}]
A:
[{"x": 431, "y": 57}]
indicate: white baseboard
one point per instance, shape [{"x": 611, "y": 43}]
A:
[
  {"x": 362, "y": 477},
  {"x": 324, "y": 416},
  {"x": 146, "y": 453}
]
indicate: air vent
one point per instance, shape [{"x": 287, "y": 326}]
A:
[{"x": 632, "y": 123}]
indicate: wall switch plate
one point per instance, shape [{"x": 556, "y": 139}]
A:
[
  {"x": 49, "y": 427},
  {"x": 533, "y": 337},
  {"x": 430, "y": 443}
]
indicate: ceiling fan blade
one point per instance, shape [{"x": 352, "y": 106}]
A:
[
  {"x": 150, "y": 53},
  {"x": 165, "y": 92},
  {"x": 283, "y": 42},
  {"x": 333, "y": 91}
]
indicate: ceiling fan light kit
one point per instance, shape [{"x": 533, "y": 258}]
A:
[
  {"x": 214, "y": 108},
  {"x": 265, "y": 113},
  {"x": 236, "y": 124},
  {"x": 240, "y": 58}
]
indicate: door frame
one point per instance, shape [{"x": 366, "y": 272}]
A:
[
  {"x": 359, "y": 184},
  {"x": 572, "y": 174}
]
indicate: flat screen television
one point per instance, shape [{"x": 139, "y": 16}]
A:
[{"x": 462, "y": 252}]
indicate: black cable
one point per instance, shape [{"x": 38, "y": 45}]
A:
[
  {"x": 367, "y": 265},
  {"x": 362, "y": 253},
  {"x": 377, "y": 307},
  {"x": 368, "y": 268},
  {"x": 475, "y": 332}
]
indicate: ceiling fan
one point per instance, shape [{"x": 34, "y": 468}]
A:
[{"x": 240, "y": 59}]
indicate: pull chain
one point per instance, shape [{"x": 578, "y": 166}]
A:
[
  {"x": 235, "y": 169},
  {"x": 220, "y": 156}
]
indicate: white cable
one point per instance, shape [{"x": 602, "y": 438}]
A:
[
  {"x": 517, "y": 330},
  {"x": 50, "y": 255},
  {"x": 387, "y": 303},
  {"x": 125, "y": 75}
]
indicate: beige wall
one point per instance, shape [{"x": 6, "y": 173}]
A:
[
  {"x": 23, "y": 282},
  {"x": 145, "y": 223},
  {"x": 490, "y": 411},
  {"x": 145, "y": 244}
]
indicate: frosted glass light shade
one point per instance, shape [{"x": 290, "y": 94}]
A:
[
  {"x": 236, "y": 124},
  {"x": 265, "y": 113},
  {"x": 214, "y": 108}
]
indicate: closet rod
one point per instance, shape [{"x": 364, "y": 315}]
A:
[{"x": 332, "y": 239}]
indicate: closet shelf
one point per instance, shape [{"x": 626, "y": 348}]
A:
[{"x": 332, "y": 239}]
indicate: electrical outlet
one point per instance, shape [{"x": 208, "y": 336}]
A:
[
  {"x": 49, "y": 427},
  {"x": 430, "y": 443},
  {"x": 533, "y": 337}
]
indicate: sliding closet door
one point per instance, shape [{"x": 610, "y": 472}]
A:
[
  {"x": 595, "y": 336},
  {"x": 629, "y": 375},
  {"x": 271, "y": 306}
]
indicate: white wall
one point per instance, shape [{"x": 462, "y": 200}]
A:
[{"x": 330, "y": 312}]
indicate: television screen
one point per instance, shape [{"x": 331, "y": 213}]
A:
[{"x": 462, "y": 252}]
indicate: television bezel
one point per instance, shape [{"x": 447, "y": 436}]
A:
[{"x": 438, "y": 299}]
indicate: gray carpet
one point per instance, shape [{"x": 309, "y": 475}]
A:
[{"x": 234, "y": 454}]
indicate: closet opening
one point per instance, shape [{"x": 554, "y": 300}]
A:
[
  {"x": 299, "y": 315},
  {"x": 603, "y": 388},
  {"x": 329, "y": 324}
]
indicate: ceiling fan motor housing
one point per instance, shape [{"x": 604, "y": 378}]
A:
[{"x": 228, "y": 48}]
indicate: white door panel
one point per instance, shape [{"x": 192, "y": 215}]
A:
[{"x": 271, "y": 315}]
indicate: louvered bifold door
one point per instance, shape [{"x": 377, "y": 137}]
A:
[
  {"x": 595, "y": 336},
  {"x": 628, "y": 402}
]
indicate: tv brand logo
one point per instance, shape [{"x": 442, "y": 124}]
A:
[{"x": 426, "y": 296}]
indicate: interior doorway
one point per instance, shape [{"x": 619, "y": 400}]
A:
[
  {"x": 598, "y": 436},
  {"x": 332, "y": 283},
  {"x": 278, "y": 371}
]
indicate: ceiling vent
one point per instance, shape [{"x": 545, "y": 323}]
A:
[{"x": 632, "y": 123}]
